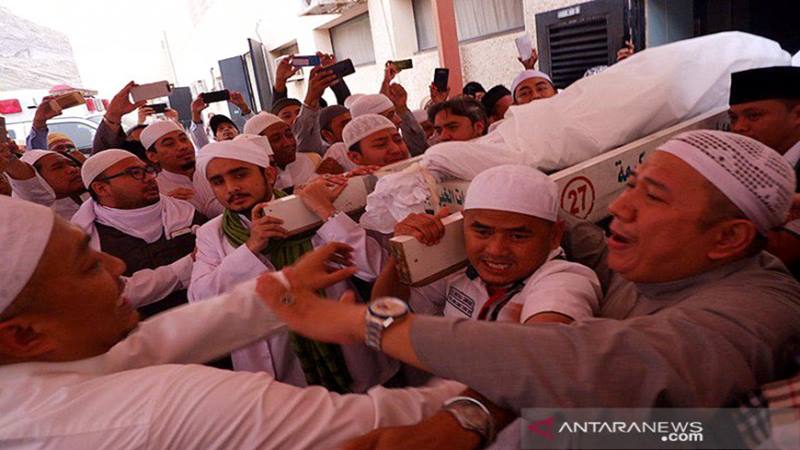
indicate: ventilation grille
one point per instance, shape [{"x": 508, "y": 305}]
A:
[{"x": 576, "y": 46}]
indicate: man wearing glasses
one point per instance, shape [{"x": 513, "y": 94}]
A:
[{"x": 152, "y": 233}]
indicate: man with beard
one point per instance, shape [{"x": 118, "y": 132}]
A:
[
  {"x": 47, "y": 178},
  {"x": 293, "y": 168},
  {"x": 243, "y": 243},
  {"x": 152, "y": 233},
  {"x": 694, "y": 313},
  {"x": 79, "y": 371},
  {"x": 169, "y": 147}
]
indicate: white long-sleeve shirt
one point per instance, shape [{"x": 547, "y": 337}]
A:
[
  {"x": 203, "y": 198},
  {"x": 148, "y": 393},
  {"x": 219, "y": 267}
]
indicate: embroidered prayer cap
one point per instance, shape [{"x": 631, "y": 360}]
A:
[
  {"x": 327, "y": 114},
  {"x": 246, "y": 150},
  {"x": 420, "y": 115},
  {"x": 156, "y": 131},
  {"x": 56, "y": 137},
  {"x": 370, "y": 104},
  {"x": 348, "y": 102},
  {"x": 26, "y": 229},
  {"x": 766, "y": 83},
  {"x": 751, "y": 175},
  {"x": 362, "y": 126},
  {"x": 514, "y": 188},
  {"x": 256, "y": 139},
  {"x": 527, "y": 75},
  {"x": 32, "y": 156},
  {"x": 99, "y": 162},
  {"x": 260, "y": 122}
]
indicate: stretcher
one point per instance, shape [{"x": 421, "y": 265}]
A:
[{"x": 585, "y": 191}]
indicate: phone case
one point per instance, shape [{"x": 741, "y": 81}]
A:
[
  {"x": 404, "y": 64},
  {"x": 441, "y": 79},
  {"x": 69, "y": 100},
  {"x": 216, "y": 96},
  {"x": 342, "y": 68},
  {"x": 524, "y": 47},
  {"x": 151, "y": 91},
  {"x": 304, "y": 61}
]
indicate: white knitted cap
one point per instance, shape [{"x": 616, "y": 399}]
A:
[
  {"x": 99, "y": 162},
  {"x": 370, "y": 104},
  {"x": 156, "y": 131},
  {"x": 514, "y": 188},
  {"x": 362, "y": 126},
  {"x": 260, "y": 122}
]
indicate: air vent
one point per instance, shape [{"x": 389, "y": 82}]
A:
[{"x": 575, "y": 46}]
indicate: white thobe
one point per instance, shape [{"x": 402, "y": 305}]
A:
[
  {"x": 148, "y": 392},
  {"x": 203, "y": 198},
  {"x": 219, "y": 267},
  {"x": 296, "y": 173}
]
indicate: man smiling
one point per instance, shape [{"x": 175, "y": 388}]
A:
[{"x": 694, "y": 311}]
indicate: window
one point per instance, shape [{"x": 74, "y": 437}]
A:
[
  {"x": 474, "y": 19},
  {"x": 353, "y": 39},
  {"x": 82, "y": 135}
]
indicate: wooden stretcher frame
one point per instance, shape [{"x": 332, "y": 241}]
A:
[{"x": 585, "y": 191}]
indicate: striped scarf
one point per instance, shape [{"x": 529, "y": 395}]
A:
[{"x": 323, "y": 364}]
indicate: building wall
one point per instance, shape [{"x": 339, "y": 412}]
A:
[{"x": 219, "y": 29}]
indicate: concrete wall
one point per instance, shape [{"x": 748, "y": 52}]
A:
[{"x": 219, "y": 29}]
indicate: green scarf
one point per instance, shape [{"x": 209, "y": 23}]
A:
[{"x": 323, "y": 364}]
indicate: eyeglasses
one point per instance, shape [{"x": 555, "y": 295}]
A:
[{"x": 137, "y": 173}]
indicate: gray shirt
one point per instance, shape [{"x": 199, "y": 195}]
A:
[{"x": 694, "y": 342}]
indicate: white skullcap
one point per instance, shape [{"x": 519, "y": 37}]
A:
[
  {"x": 260, "y": 122},
  {"x": 370, "y": 104},
  {"x": 26, "y": 229},
  {"x": 751, "y": 175},
  {"x": 527, "y": 75},
  {"x": 32, "y": 156},
  {"x": 362, "y": 126},
  {"x": 348, "y": 102},
  {"x": 514, "y": 188},
  {"x": 99, "y": 162},
  {"x": 242, "y": 150},
  {"x": 156, "y": 131},
  {"x": 256, "y": 139},
  {"x": 420, "y": 115}
]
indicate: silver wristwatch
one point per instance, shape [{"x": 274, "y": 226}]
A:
[
  {"x": 381, "y": 314},
  {"x": 472, "y": 415}
]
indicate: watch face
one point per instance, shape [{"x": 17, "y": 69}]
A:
[{"x": 388, "y": 307}]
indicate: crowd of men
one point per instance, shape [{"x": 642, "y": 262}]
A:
[{"x": 148, "y": 301}]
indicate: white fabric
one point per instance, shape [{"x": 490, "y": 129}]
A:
[
  {"x": 370, "y": 104},
  {"x": 153, "y": 394},
  {"x": 363, "y": 126},
  {"x": 260, "y": 122},
  {"x": 556, "y": 286},
  {"x": 156, "y": 131},
  {"x": 338, "y": 152},
  {"x": 514, "y": 188},
  {"x": 348, "y": 102},
  {"x": 664, "y": 85},
  {"x": 24, "y": 231},
  {"x": 99, "y": 162},
  {"x": 220, "y": 266},
  {"x": 527, "y": 75},
  {"x": 247, "y": 150},
  {"x": 793, "y": 155},
  {"x": 420, "y": 115},
  {"x": 35, "y": 189},
  {"x": 298, "y": 172},
  {"x": 169, "y": 215},
  {"x": 261, "y": 141},
  {"x": 753, "y": 176},
  {"x": 796, "y": 59},
  {"x": 32, "y": 156},
  {"x": 203, "y": 199}
]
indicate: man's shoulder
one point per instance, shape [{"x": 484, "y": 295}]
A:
[{"x": 211, "y": 228}]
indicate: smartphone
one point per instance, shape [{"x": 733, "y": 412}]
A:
[
  {"x": 441, "y": 78},
  {"x": 216, "y": 96},
  {"x": 524, "y": 47},
  {"x": 158, "y": 108},
  {"x": 342, "y": 68},
  {"x": 150, "y": 91},
  {"x": 306, "y": 61},
  {"x": 403, "y": 64},
  {"x": 62, "y": 102},
  {"x": 3, "y": 131}
]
